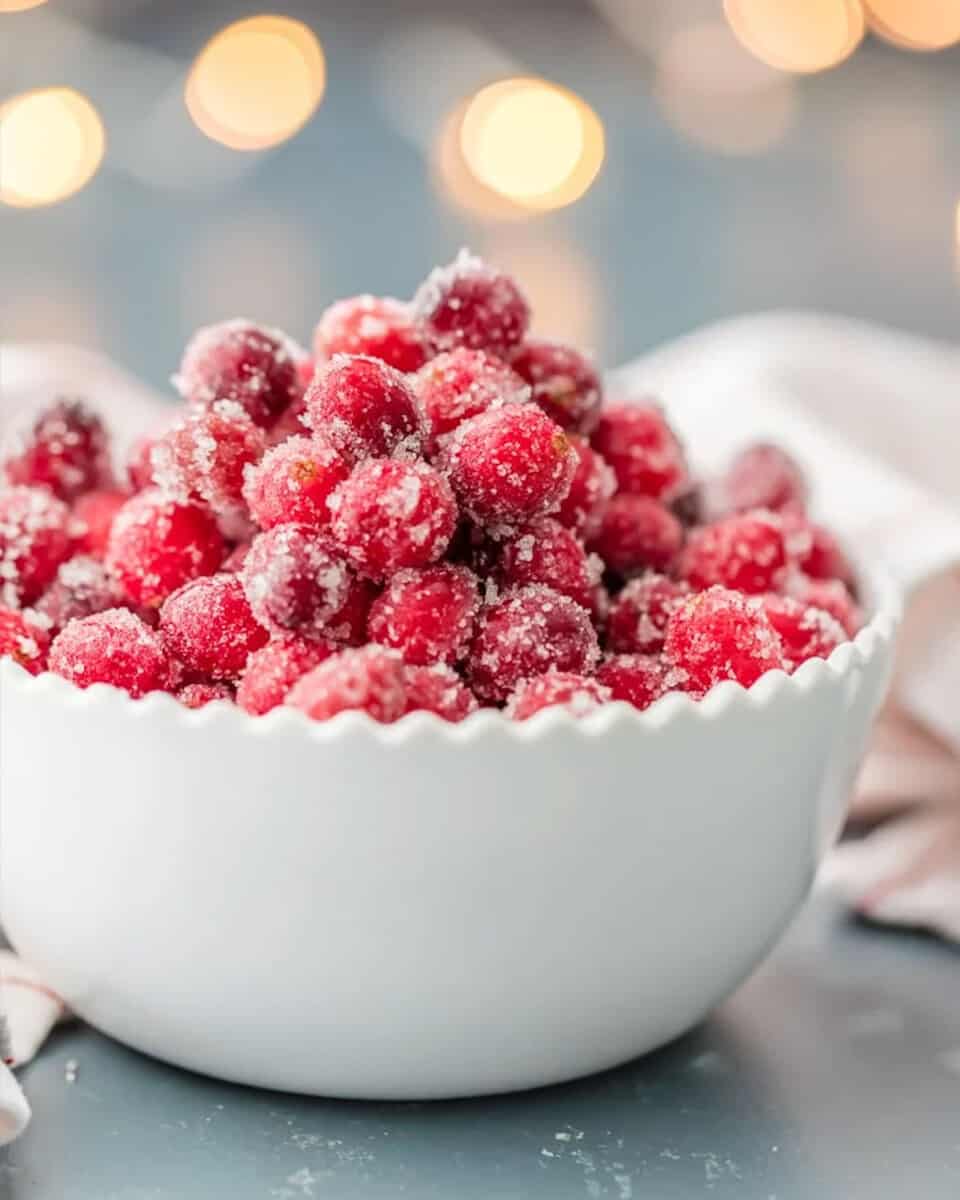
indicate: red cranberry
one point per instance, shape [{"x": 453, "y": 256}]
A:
[
  {"x": 721, "y": 634},
  {"x": 637, "y": 620},
  {"x": 747, "y": 552},
  {"x": 805, "y": 632},
  {"x": 642, "y": 449},
  {"x": 82, "y": 587},
  {"x": 578, "y": 694},
  {"x": 391, "y": 514},
  {"x": 94, "y": 513},
  {"x": 427, "y": 615},
  {"x": 637, "y": 533},
  {"x": 273, "y": 670},
  {"x": 66, "y": 451},
  {"x": 294, "y": 582},
  {"x": 294, "y": 481},
  {"x": 565, "y": 382},
  {"x": 440, "y": 690},
  {"x": 140, "y": 461},
  {"x": 198, "y": 695},
  {"x": 365, "y": 409},
  {"x": 592, "y": 486},
  {"x": 375, "y": 326},
  {"x": 204, "y": 456},
  {"x": 468, "y": 303},
  {"x": 157, "y": 545},
  {"x": 830, "y": 595},
  {"x": 638, "y": 679},
  {"x": 551, "y": 554},
  {"x": 527, "y": 633},
  {"x": 818, "y": 553},
  {"x": 208, "y": 625},
  {"x": 369, "y": 679},
  {"x": 764, "y": 476},
  {"x": 23, "y": 641},
  {"x": 36, "y": 536},
  {"x": 461, "y": 384},
  {"x": 349, "y": 623},
  {"x": 113, "y": 647}
]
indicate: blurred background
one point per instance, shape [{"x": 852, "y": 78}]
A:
[{"x": 644, "y": 166}]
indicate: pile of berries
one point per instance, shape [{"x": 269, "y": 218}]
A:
[{"x": 436, "y": 511}]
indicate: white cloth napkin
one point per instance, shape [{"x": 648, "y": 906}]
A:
[{"x": 874, "y": 416}]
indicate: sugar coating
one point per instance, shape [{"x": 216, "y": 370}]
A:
[
  {"x": 765, "y": 476},
  {"x": 640, "y": 679},
  {"x": 208, "y": 625},
  {"x": 368, "y": 678},
  {"x": 817, "y": 552},
  {"x": 375, "y": 326},
  {"x": 198, "y": 695},
  {"x": 293, "y": 482},
  {"x": 748, "y": 552},
  {"x": 830, "y": 595},
  {"x": 81, "y": 588},
  {"x": 642, "y": 450},
  {"x": 272, "y": 671},
  {"x": 565, "y": 382},
  {"x": 462, "y": 383},
  {"x": 549, "y": 553},
  {"x": 637, "y": 620},
  {"x": 114, "y": 647},
  {"x": 806, "y": 632},
  {"x": 139, "y": 467},
  {"x": 637, "y": 533},
  {"x": 94, "y": 513},
  {"x": 23, "y": 640},
  {"x": 592, "y": 486},
  {"x": 36, "y": 536},
  {"x": 67, "y": 450},
  {"x": 469, "y": 303},
  {"x": 440, "y": 690},
  {"x": 294, "y": 581},
  {"x": 427, "y": 614},
  {"x": 578, "y": 694},
  {"x": 722, "y": 634}
]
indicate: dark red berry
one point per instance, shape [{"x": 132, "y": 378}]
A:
[
  {"x": 294, "y": 581},
  {"x": 637, "y": 621},
  {"x": 592, "y": 486},
  {"x": 66, "y": 451},
  {"x": 205, "y": 455},
  {"x": 273, "y": 670},
  {"x": 376, "y": 326},
  {"x": 806, "y": 632},
  {"x": 578, "y": 694},
  {"x": 427, "y": 615},
  {"x": 637, "y": 533},
  {"x": 369, "y": 679},
  {"x": 638, "y": 679},
  {"x": 642, "y": 449},
  {"x": 818, "y": 553},
  {"x": 764, "y": 476},
  {"x": 747, "y": 552},
  {"x": 460, "y": 384},
  {"x": 94, "y": 513},
  {"x": 468, "y": 303},
  {"x": 565, "y": 382},
  {"x": 830, "y": 595},
  {"x": 37, "y": 534},
  {"x": 440, "y": 690},
  {"x": 293, "y": 483},
  {"x": 23, "y": 640},
  {"x": 198, "y": 695},
  {"x": 349, "y": 623},
  {"x": 113, "y": 647},
  {"x": 81, "y": 588},
  {"x": 549, "y": 553},
  {"x": 209, "y": 627},
  {"x": 365, "y": 408}
]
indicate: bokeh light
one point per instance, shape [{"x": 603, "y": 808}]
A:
[
  {"x": 915, "y": 24},
  {"x": 257, "y": 82},
  {"x": 802, "y": 36},
  {"x": 51, "y": 144},
  {"x": 457, "y": 184},
  {"x": 12, "y": 6}
]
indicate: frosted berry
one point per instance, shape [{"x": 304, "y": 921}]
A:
[
  {"x": 565, "y": 383},
  {"x": 94, "y": 513},
  {"x": 638, "y": 679},
  {"x": 66, "y": 451},
  {"x": 460, "y": 384},
  {"x": 819, "y": 554},
  {"x": 113, "y": 647},
  {"x": 637, "y": 621},
  {"x": 198, "y": 695},
  {"x": 209, "y": 627},
  {"x": 469, "y": 303},
  {"x": 293, "y": 483},
  {"x": 349, "y": 623},
  {"x": 551, "y": 554},
  {"x": 637, "y": 533},
  {"x": 509, "y": 466},
  {"x": 36, "y": 536},
  {"x": 376, "y": 326},
  {"x": 440, "y": 690},
  {"x": 273, "y": 670},
  {"x": 722, "y": 634},
  {"x": 391, "y": 514},
  {"x": 369, "y": 679},
  {"x": 140, "y": 462},
  {"x": 642, "y": 449},
  {"x": 23, "y": 641},
  {"x": 806, "y": 632},
  {"x": 578, "y": 694},
  {"x": 365, "y": 408},
  {"x": 238, "y": 360},
  {"x": 427, "y": 615},
  {"x": 81, "y": 588},
  {"x": 764, "y": 476},
  {"x": 527, "y": 633},
  {"x": 592, "y": 486},
  {"x": 748, "y": 552},
  {"x": 157, "y": 545},
  {"x": 830, "y": 595},
  {"x": 294, "y": 581}
]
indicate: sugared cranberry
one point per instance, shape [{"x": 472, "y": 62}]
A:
[
  {"x": 460, "y": 384},
  {"x": 747, "y": 552},
  {"x": 806, "y": 632},
  {"x": 238, "y": 360},
  {"x": 113, "y": 647},
  {"x": 204, "y": 456},
  {"x": 592, "y": 486},
  {"x": 198, "y": 695},
  {"x": 565, "y": 382},
  {"x": 293, "y": 483},
  {"x": 637, "y": 533},
  {"x": 66, "y": 451},
  {"x": 294, "y": 582},
  {"x": 157, "y": 545},
  {"x": 376, "y": 326},
  {"x": 637, "y": 621},
  {"x": 469, "y": 303},
  {"x": 290, "y": 423},
  {"x": 764, "y": 476},
  {"x": 830, "y": 595},
  {"x": 36, "y": 536},
  {"x": 365, "y": 408},
  {"x": 140, "y": 461},
  {"x": 369, "y": 679},
  {"x": 81, "y": 588},
  {"x": 578, "y": 694},
  {"x": 819, "y": 554},
  {"x": 638, "y": 679},
  {"x": 509, "y": 466},
  {"x": 349, "y": 623},
  {"x": 273, "y": 670},
  {"x": 549, "y": 553},
  {"x": 23, "y": 641},
  {"x": 209, "y": 627},
  {"x": 391, "y": 514},
  {"x": 721, "y": 634},
  {"x": 440, "y": 690},
  {"x": 306, "y": 369},
  {"x": 527, "y": 633},
  {"x": 642, "y": 449},
  {"x": 427, "y": 615},
  {"x": 94, "y": 513}
]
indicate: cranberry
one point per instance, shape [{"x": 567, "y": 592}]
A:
[
  {"x": 832, "y": 596},
  {"x": 764, "y": 476},
  {"x": 140, "y": 461},
  {"x": 551, "y": 554},
  {"x": 747, "y": 552},
  {"x": 565, "y": 382},
  {"x": 113, "y": 647},
  {"x": 391, "y": 514},
  {"x": 721, "y": 634},
  {"x": 369, "y": 679},
  {"x": 592, "y": 486},
  {"x": 468, "y": 303},
  {"x": 440, "y": 690},
  {"x": 638, "y": 679},
  {"x": 578, "y": 694},
  {"x": 36, "y": 536},
  {"x": 23, "y": 641},
  {"x": 273, "y": 670},
  {"x": 238, "y": 360},
  {"x": 294, "y": 582},
  {"x": 637, "y": 533},
  {"x": 290, "y": 423},
  {"x": 460, "y": 384},
  {"x": 638, "y": 617},
  {"x": 509, "y": 466},
  {"x": 198, "y": 695},
  {"x": 81, "y": 588},
  {"x": 529, "y": 632},
  {"x": 66, "y": 451},
  {"x": 806, "y": 632},
  {"x": 209, "y": 627},
  {"x": 294, "y": 481},
  {"x": 94, "y": 513},
  {"x": 349, "y": 623},
  {"x": 365, "y": 408},
  {"x": 819, "y": 554},
  {"x": 427, "y": 615},
  {"x": 642, "y": 449},
  {"x": 157, "y": 545},
  {"x": 376, "y": 326}
]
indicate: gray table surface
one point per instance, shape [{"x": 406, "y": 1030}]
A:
[{"x": 834, "y": 1074}]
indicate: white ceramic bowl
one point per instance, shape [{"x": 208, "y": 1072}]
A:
[{"x": 420, "y": 910}]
